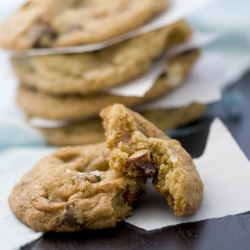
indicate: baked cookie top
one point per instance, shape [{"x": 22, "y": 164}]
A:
[
  {"x": 139, "y": 148},
  {"x": 93, "y": 71},
  {"x": 37, "y": 103},
  {"x": 75, "y": 22},
  {"x": 74, "y": 189}
]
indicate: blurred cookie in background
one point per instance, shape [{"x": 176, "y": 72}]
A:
[
  {"x": 91, "y": 130},
  {"x": 57, "y": 107},
  {"x": 90, "y": 72},
  {"x": 75, "y": 22}
]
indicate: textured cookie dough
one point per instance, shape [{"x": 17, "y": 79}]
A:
[
  {"x": 138, "y": 148},
  {"x": 74, "y": 189},
  {"x": 36, "y": 103},
  {"x": 93, "y": 71},
  {"x": 91, "y": 131},
  {"x": 75, "y": 22}
]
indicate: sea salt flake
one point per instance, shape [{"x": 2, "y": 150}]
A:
[{"x": 68, "y": 171}]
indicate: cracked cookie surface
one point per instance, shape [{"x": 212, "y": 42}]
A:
[
  {"x": 138, "y": 148},
  {"x": 74, "y": 189},
  {"x": 75, "y": 22}
]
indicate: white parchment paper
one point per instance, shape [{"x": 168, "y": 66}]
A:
[
  {"x": 223, "y": 167},
  {"x": 225, "y": 172},
  {"x": 203, "y": 85},
  {"x": 142, "y": 84},
  {"x": 179, "y": 9}
]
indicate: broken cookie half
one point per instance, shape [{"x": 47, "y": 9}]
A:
[{"x": 138, "y": 148}]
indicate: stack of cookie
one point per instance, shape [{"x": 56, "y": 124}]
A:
[{"x": 72, "y": 87}]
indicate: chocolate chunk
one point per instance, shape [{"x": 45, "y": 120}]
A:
[
  {"x": 42, "y": 35},
  {"x": 147, "y": 167},
  {"x": 69, "y": 217},
  {"x": 130, "y": 199},
  {"x": 98, "y": 178},
  {"x": 164, "y": 74}
]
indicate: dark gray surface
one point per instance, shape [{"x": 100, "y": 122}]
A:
[{"x": 231, "y": 232}]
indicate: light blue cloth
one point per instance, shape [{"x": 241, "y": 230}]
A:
[
  {"x": 14, "y": 131},
  {"x": 231, "y": 19}
]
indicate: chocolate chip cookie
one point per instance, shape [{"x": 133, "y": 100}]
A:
[
  {"x": 37, "y": 103},
  {"x": 139, "y": 148},
  {"x": 85, "y": 73},
  {"x": 74, "y": 189},
  {"x": 75, "y": 22}
]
